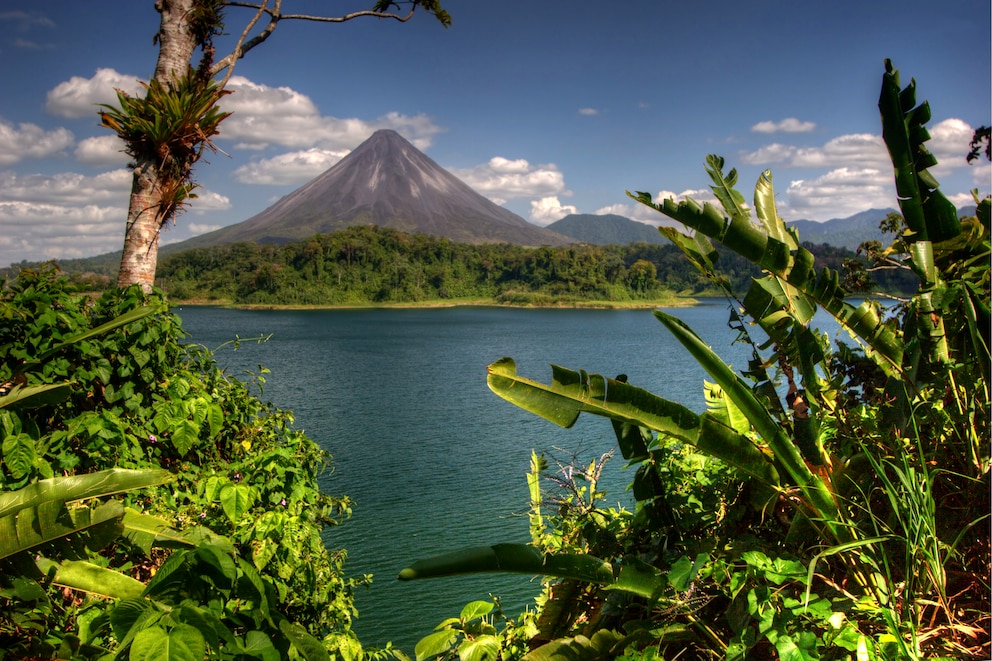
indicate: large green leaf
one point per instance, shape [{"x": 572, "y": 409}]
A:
[
  {"x": 784, "y": 451},
  {"x": 928, "y": 213},
  {"x": 50, "y": 521},
  {"x": 78, "y": 487},
  {"x": 182, "y": 643},
  {"x": 514, "y": 558},
  {"x": 308, "y": 646},
  {"x": 572, "y": 393},
  {"x": 21, "y": 396},
  {"x": 103, "y": 582}
]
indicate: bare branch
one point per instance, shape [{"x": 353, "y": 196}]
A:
[
  {"x": 275, "y": 15},
  {"x": 224, "y": 63}
]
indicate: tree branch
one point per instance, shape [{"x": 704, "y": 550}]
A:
[{"x": 275, "y": 15}]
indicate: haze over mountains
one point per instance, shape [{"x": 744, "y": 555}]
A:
[{"x": 385, "y": 181}]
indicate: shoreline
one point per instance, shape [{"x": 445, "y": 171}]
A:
[{"x": 678, "y": 302}]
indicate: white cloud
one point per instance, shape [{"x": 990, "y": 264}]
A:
[
  {"x": 588, "y": 112},
  {"x": 102, "y": 151},
  {"x": 853, "y": 150},
  {"x": 981, "y": 175},
  {"x": 71, "y": 215},
  {"x": 31, "y": 141},
  {"x": 80, "y": 97},
  {"x": 66, "y": 215},
  {"x": 549, "y": 209},
  {"x": 68, "y": 188},
  {"x": 282, "y": 116},
  {"x": 838, "y": 194},
  {"x": 949, "y": 143},
  {"x": 196, "y": 229},
  {"x": 503, "y": 179},
  {"x": 207, "y": 201},
  {"x": 787, "y": 125},
  {"x": 290, "y": 168},
  {"x": 47, "y": 231}
]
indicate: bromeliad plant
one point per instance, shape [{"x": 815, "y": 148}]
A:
[{"x": 853, "y": 523}]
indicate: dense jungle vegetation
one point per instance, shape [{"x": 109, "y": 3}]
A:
[
  {"x": 371, "y": 265},
  {"x": 832, "y": 502}
]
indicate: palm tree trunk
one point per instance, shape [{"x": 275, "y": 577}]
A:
[
  {"x": 145, "y": 211},
  {"x": 144, "y": 225}
]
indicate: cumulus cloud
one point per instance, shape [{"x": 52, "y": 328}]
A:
[
  {"x": 71, "y": 215},
  {"x": 839, "y": 193},
  {"x": 102, "y": 151},
  {"x": 290, "y": 168},
  {"x": 503, "y": 179},
  {"x": 857, "y": 149},
  {"x": 588, "y": 112},
  {"x": 948, "y": 142},
  {"x": 549, "y": 209},
  {"x": 80, "y": 97},
  {"x": 31, "y": 141},
  {"x": 207, "y": 201},
  {"x": 787, "y": 125},
  {"x": 195, "y": 229},
  {"x": 47, "y": 231},
  {"x": 265, "y": 116},
  {"x": 68, "y": 188}
]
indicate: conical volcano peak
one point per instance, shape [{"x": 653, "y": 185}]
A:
[{"x": 385, "y": 181}]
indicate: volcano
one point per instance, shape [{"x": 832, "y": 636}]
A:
[{"x": 385, "y": 181}]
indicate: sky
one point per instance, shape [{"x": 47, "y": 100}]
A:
[{"x": 547, "y": 108}]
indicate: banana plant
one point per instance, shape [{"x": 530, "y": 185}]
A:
[{"x": 747, "y": 425}]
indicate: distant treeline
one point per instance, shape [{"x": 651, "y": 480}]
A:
[{"x": 370, "y": 264}]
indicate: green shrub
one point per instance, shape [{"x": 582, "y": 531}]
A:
[{"x": 137, "y": 396}]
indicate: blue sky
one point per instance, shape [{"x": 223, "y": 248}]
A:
[{"x": 547, "y": 108}]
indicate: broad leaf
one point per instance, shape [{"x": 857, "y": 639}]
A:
[
  {"x": 182, "y": 643},
  {"x": 78, "y": 487},
  {"x": 50, "y": 521},
  {"x": 516, "y": 558},
  {"x": 103, "y": 582}
]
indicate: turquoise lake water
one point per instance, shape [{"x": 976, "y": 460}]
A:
[{"x": 432, "y": 458}]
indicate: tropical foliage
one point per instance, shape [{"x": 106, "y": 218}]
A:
[
  {"x": 831, "y": 502},
  {"x": 150, "y": 505},
  {"x": 368, "y": 264}
]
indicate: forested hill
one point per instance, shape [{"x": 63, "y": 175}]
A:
[{"x": 369, "y": 265}]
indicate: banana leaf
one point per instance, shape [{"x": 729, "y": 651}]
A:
[
  {"x": 21, "y": 396},
  {"x": 792, "y": 266},
  {"x": 103, "y": 582},
  {"x": 515, "y": 558},
  {"x": 33, "y": 526},
  {"x": 78, "y": 487},
  {"x": 572, "y": 393},
  {"x": 928, "y": 213}
]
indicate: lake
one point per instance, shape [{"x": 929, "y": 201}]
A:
[{"x": 432, "y": 458}]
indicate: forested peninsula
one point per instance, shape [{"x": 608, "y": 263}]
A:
[{"x": 369, "y": 265}]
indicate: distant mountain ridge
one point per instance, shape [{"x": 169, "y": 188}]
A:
[
  {"x": 388, "y": 182},
  {"x": 608, "y": 229}
]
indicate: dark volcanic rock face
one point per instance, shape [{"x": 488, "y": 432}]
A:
[{"x": 385, "y": 181}]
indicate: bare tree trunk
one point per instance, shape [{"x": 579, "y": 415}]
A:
[
  {"x": 145, "y": 210},
  {"x": 140, "y": 256}
]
